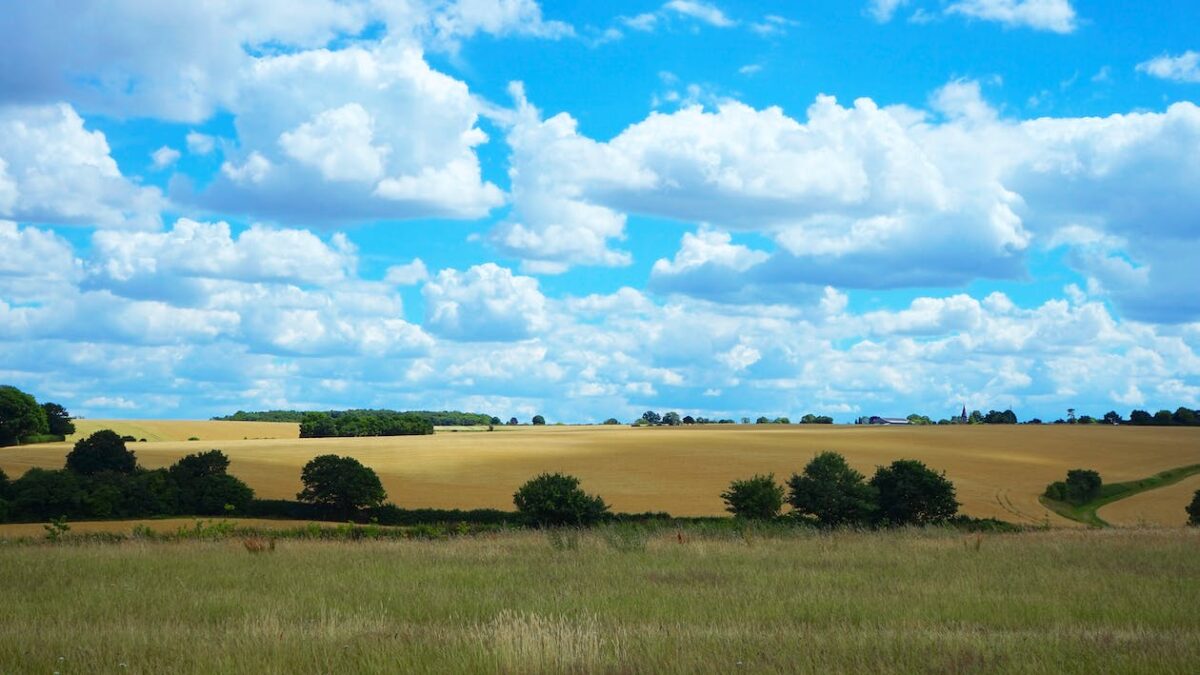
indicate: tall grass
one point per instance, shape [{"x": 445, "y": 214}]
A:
[{"x": 688, "y": 601}]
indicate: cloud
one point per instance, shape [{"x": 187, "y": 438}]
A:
[
  {"x": 52, "y": 169},
  {"x": 750, "y": 69},
  {"x": 701, "y": 11},
  {"x": 1182, "y": 68},
  {"x": 1049, "y": 15},
  {"x": 164, "y": 156},
  {"x": 883, "y": 10},
  {"x": 485, "y": 303},
  {"x": 200, "y": 144},
  {"x": 414, "y": 272},
  {"x": 455, "y": 21},
  {"x": 355, "y": 134}
]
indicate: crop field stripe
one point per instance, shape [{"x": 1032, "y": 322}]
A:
[{"x": 1087, "y": 513}]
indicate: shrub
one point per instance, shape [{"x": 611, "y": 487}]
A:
[
  {"x": 1082, "y": 486},
  {"x": 340, "y": 483},
  {"x": 831, "y": 493},
  {"x": 1193, "y": 510},
  {"x": 102, "y": 451},
  {"x": 1056, "y": 491},
  {"x": 552, "y": 499},
  {"x": 912, "y": 494},
  {"x": 756, "y": 498}
]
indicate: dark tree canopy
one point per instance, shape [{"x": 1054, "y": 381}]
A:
[
  {"x": 205, "y": 487},
  {"x": 20, "y": 416},
  {"x": 756, "y": 498},
  {"x": 552, "y": 499},
  {"x": 1082, "y": 486},
  {"x": 538, "y": 420},
  {"x": 512, "y": 422},
  {"x": 58, "y": 420},
  {"x": 652, "y": 417},
  {"x": 341, "y": 483},
  {"x": 612, "y": 420},
  {"x": 102, "y": 451},
  {"x": 347, "y": 423},
  {"x": 672, "y": 419},
  {"x": 909, "y": 493},
  {"x": 832, "y": 493},
  {"x": 1193, "y": 509}
]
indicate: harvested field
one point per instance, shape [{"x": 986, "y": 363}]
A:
[
  {"x": 181, "y": 430},
  {"x": 999, "y": 470}
]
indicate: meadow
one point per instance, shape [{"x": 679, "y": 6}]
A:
[
  {"x": 1062, "y": 601},
  {"x": 999, "y": 471}
]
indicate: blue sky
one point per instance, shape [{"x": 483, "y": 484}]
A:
[{"x": 586, "y": 210}]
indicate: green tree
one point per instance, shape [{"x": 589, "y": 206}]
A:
[
  {"x": 612, "y": 420},
  {"x": 755, "y": 498},
  {"x": 672, "y": 419},
  {"x": 102, "y": 451},
  {"x": 58, "y": 420},
  {"x": 512, "y": 422},
  {"x": 20, "y": 416},
  {"x": 552, "y": 499},
  {"x": 1140, "y": 418},
  {"x": 44, "y": 493},
  {"x": 912, "y": 494},
  {"x": 318, "y": 425},
  {"x": 1163, "y": 418},
  {"x": 1184, "y": 416},
  {"x": 763, "y": 420},
  {"x": 651, "y": 417},
  {"x": 1112, "y": 417},
  {"x": 538, "y": 420},
  {"x": 1082, "y": 486},
  {"x": 342, "y": 484},
  {"x": 831, "y": 493},
  {"x": 205, "y": 486},
  {"x": 1193, "y": 509}
]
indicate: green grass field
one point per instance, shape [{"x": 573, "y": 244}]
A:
[{"x": 1059, "y": 601}]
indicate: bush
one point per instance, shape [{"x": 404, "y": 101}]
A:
[
  {"x": 755, "y": 498},
  {"x": 831, "y": 493},
  {"x": 912, "y": 494},
  {"x": 1056, "y": 491},
  {"x": 102, "y": 451},
  {"x": 340, "y": 483},
  {"x": 1082, "y": 486},
  {"x": 42, "y": 438},
  {"x": 1193, "y": 510},
  {"x": 552, "y": 499}
]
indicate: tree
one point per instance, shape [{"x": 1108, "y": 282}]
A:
[
  {"x": 1193, "y": 509},
  {"x": 1140, "y": 418},
  {"x": 671, "y": 419},
  {"x": 998, "y": 417},
  {"x": 975, "y": 418},
  {"x": 763, "y": 420},
  {"x": 919, "y": 420},
  {"x": 612, "y": 420},
  {"x": 652, "y": 417},
  {"x": 58, "y": 420},
  {"x": 318, "y": 425},
  {"x": 340, "y": 483},
  {"x": 205, "y": 486},
  {"x": 755, "y": 498},
  {"x": 512, "y": 422},
  {"x": 20, "y": 416},
  {"x": 1163, "y": 418},
  {"x": 552, "y": 499},
  {"x": 1082, "y": 486},
  {"x": 1070, "y": 416},
  {"x": 1112, "y": 417},
  {"x": 816, "y": 419},
  {"x": 538, "y": 420},
  {"x": 1184, "y": 416},
  {"x": 781, "y": 420},
  {"x": 912, "y": 494},
  {"x": 102, "y": 451},
  {"x": 44, "y": 493},
  {"x": 688, "y": 419},
  {"x": 495, "y": 421},
  {"x": 831, "y": 493}
]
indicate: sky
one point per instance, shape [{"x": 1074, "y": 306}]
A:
[{"x": 588, "y": 210}]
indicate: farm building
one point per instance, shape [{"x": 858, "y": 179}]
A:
[{"x": 888, "y": 421}]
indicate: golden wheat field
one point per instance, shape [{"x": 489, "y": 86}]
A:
[
  {"x": 999, "y": 470},
  {"x": 181, "y": 430},
  {"x": 1163, "y": 506}
]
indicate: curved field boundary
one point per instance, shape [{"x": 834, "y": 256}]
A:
[{"x": 1112, "y": 492}]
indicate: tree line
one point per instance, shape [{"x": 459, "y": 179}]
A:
[
  {"x": 345, "y": 423},
  {"x": 24, "y": 420},
  {"x": 440, "y": 418}
]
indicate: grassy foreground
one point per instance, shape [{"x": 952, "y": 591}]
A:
[{"x": 910, "y": 601}]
